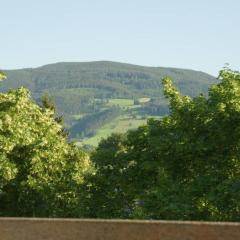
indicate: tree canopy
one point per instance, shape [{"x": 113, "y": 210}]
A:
[
  {"x": 40, "y": 172},
  {"x": 184, "y": 166},
  {"x": 2, "y": 76}
]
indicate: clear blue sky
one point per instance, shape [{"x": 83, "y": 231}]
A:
[{"x": 195, "y": 34}]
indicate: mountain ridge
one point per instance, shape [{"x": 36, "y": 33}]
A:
[{"x": 107, "y": 62}]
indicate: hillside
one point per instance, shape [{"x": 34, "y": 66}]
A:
[{"x": 91, "y": 92}]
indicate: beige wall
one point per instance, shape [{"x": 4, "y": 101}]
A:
[{"x": 77, "y": 229}]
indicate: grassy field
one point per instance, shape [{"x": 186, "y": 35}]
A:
[
  {"x": 119, "y": 125},
  {"x": 121, "y": 102},
  {"x": 78, "y": 116},
  {"x": 144, "y": 100},
  {"x": 130, "y": 118}
]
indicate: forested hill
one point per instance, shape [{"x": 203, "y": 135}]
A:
[
  {"x": 80, "y": 89},
  {"x": 115, "y": 79}
]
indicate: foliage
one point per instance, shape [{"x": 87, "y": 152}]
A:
[
  {"x": 2, "y": 76},
  {"x": 86, "y": 88},
  {"x": 155, "y": 108},
  {"x": 40, "y": 173},
  {"x": 185, "y": 166}
]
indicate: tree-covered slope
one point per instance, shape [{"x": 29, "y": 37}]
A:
[
  {"x": 110, "y": 76},
  {"x": 40, "y": 172},
  {"x": 85, "y": 88}
]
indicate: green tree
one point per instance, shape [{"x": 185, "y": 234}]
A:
[
  {"x": 183, "y": 166},
  {"x": 2, "y": 76},
  {"x": 40, "y": 172},
  {"x": 104, "y": 194}
]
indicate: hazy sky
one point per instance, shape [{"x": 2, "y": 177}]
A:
[{"x": 195, "y": 34}]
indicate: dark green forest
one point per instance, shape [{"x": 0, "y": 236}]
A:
[
  {"x": 183, "y": 166},
  {"x": 89, "y": 89}
]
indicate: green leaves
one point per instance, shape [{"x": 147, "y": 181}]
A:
[
  {"x": 183, "y": 167},
  {"x": 40, "y": 172},
  {"x": 2, "y": 76}
]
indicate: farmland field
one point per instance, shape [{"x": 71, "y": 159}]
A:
[
  {"x": 121, "y": 102},
  {"x": 118, "y": 125}
]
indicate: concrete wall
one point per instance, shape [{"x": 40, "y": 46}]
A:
[{"x": 78, "y": 229}]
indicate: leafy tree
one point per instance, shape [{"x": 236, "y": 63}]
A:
[
  {"x": 47, "y": 102},
  {"x": 2, "y": 76},
  {"x": 184, "y": 166},
  {"x": 40, "y": 173},
  {"x": 105, "y": 196}
]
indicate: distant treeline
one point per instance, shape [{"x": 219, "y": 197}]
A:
[{"x": 74, "y": 85}]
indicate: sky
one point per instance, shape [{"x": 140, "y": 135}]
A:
[{"x": 193, "y": 34}]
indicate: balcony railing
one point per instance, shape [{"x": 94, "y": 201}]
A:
[{"x": 84, "y": 229}]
